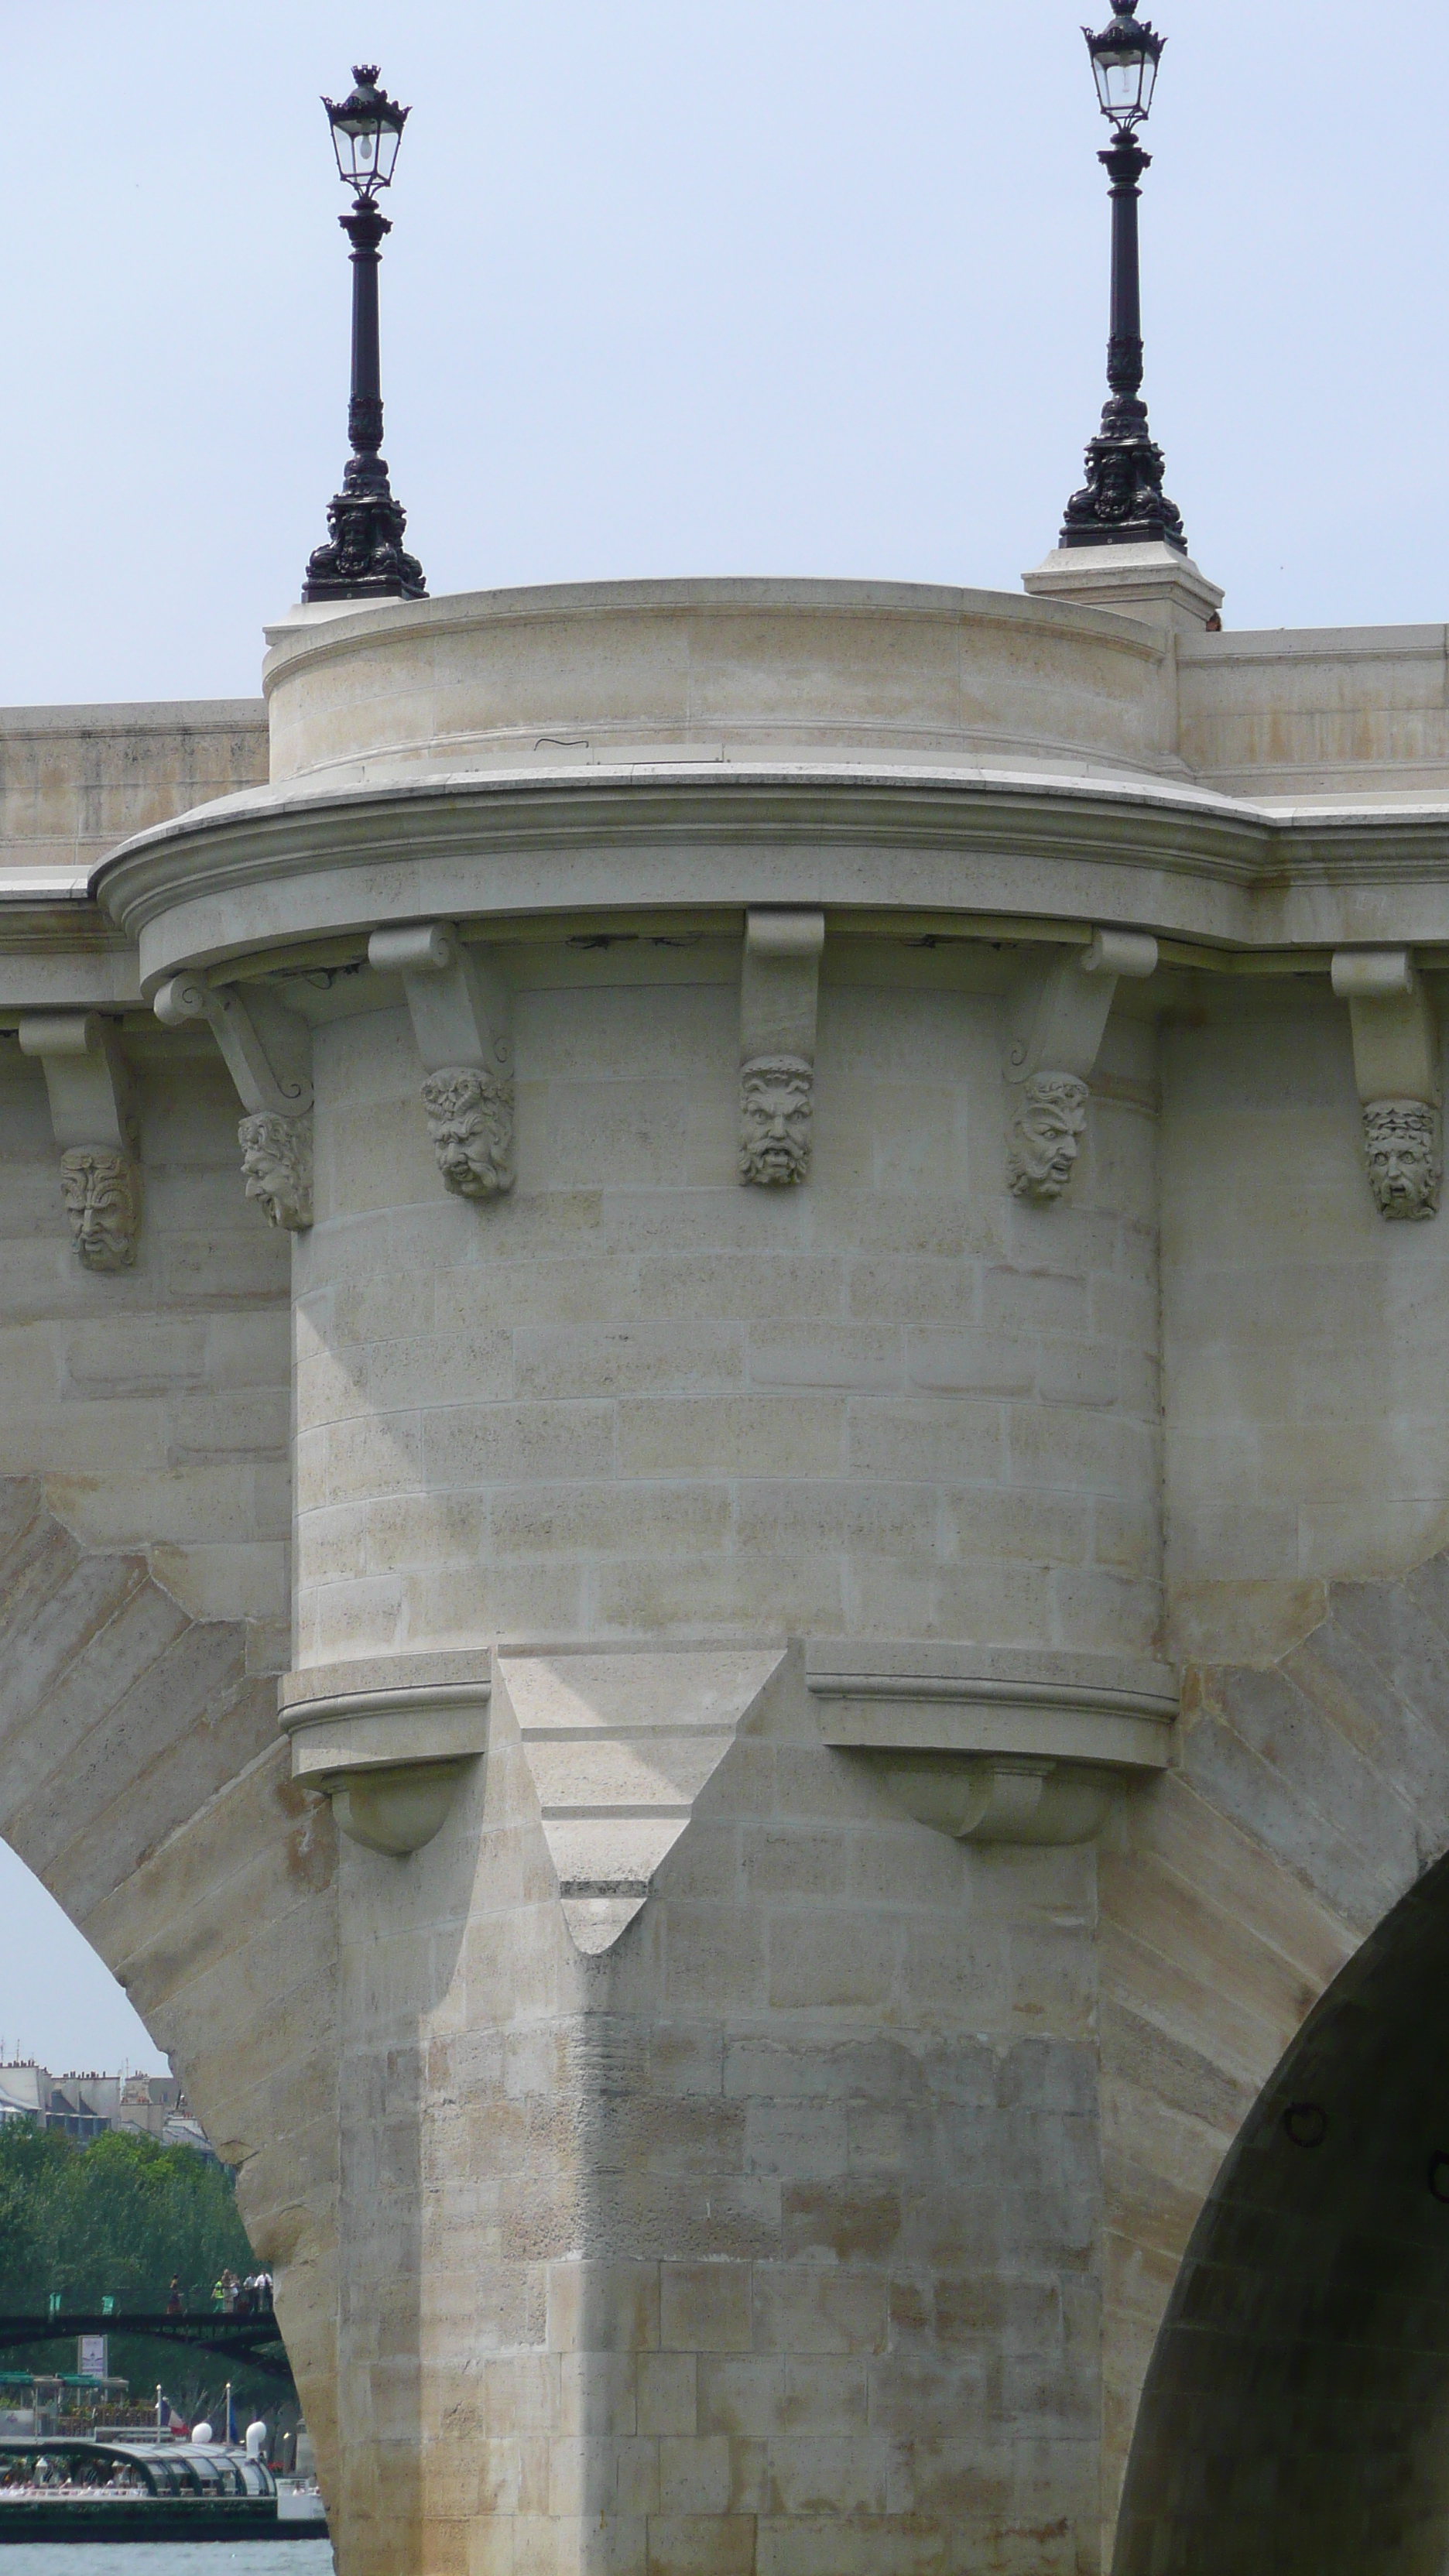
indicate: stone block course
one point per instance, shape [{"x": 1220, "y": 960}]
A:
[{"x": 644, "y": 1372}]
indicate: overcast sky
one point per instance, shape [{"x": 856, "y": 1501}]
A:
[
  {"x": 702, "y": 289},
  {"x": 779, "y": 288},
  {"x": 58, "y": 2003}
]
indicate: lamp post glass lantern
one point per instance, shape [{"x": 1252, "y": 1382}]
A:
[
  {"x": 364, "y": 557},
  {"x": 1125, "y": 57},
  {"x": 366, "y": 131},
  {"x": 1122, "y": 502}
]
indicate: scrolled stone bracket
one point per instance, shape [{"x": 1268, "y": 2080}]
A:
[
  {"x": 995, "y": 1744},
  {"x": 390, "y": 1738},
  {"x": 1396, "y": 1064},
  {"x": 268, "y": 1053},
  {"x": 779, "y": 1002},
  {"x": 92, "y": 1117},
  {"x": 461, "y": 1010},
  {"x": 1058, "y": 1020}
]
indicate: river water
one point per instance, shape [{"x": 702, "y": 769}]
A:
[{"x": 166, "y": 2558}]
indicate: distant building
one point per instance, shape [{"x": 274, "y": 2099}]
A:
[{"x": 85, "y": 2106}]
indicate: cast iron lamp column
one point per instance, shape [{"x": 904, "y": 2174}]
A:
[
  {"x": 364, "y": 556},
  {"x": 1122, "y": 502}
]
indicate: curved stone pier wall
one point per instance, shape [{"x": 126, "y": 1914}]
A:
[{"x": 633, "y": 1398}]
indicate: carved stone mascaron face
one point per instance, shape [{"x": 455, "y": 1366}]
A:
[
  {"x": 1046, "y": 1127},
  {"x": 102, "y": 1193},
  {"x": 277, "y": 1166},
  {"x": 776, "y": 1108},
  {"x": 1403, "y": 1143},
  {"x": 470, "y": 1120}
]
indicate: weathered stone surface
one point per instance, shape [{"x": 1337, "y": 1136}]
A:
[{"x": 687, "y": 2159}]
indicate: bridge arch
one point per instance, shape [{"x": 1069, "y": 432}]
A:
[
  {"x": 142, "y": 1780},
  {"x": 1295, "y": 2408}
]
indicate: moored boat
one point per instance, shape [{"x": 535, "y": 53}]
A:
[{"x": 74, "y": 2488}]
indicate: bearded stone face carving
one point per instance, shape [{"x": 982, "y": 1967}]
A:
[
  {"x": 1403, "y": 1144},
  {"x": 470, "y": 1120},
  {"x": 277, "y": 1166},
  {"x": 102, "y": 1193},
  {"x": 776, "y": 1107},
  {"x": 1048, "y": 1114}
]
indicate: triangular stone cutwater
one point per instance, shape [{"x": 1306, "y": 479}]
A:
[{"x": 619, "y": 1746}]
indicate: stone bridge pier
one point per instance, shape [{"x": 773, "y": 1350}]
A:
[{"x": 725, "y": 1439}]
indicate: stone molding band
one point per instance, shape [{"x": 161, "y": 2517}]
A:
[
  {"x": 987, "y": 1745},
  {"x": 1159, "y": 1707},
  {"x": 389, "y": 1738},
  {"x": 992, "y": 1744},
  {"x": 282, "y": 865}
]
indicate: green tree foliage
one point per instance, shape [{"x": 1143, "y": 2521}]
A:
[{"x": 116, "y": 2219}]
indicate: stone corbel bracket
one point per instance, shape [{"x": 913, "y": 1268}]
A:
[
  {"x": 94, "y": 1123},
  {"x": 461, "y": 1010},
  {"x": 779, "y": 1001},
  {"x": 389, "y": 1737},
  {"x": 268, "y": 1053},
  {"x": 994, "y": 1744},
  {"x": 1057, "y": 1023},
  {"x": 1396, "y": 1064},
  {"x": 619, "y": 1745}
]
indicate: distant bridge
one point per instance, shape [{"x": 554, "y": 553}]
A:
[{"x": 255, "y": 2340}]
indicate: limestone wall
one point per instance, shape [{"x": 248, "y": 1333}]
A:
[
  {"x": 726, "y": 668},
  {"x": 1326, "y": 713},
  {"x": 632, "y": 1397},
  {"x": 768, "y": 2239},
  {"x": 723, "y": 666},
  {"x": 1306, "y": 1408},
  {"x": 76, "y": 780},
  {"x": 154, "y": 1403}
]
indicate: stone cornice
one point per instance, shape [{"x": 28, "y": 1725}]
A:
[
  {"x": 58, "y": 948},
  {"x": 279, "y": 865}
]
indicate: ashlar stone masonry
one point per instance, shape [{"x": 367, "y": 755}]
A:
[{"x": 722, "y": 1474}]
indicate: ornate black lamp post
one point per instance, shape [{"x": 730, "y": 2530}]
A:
[
  {"x": 1122, "y": 502},
  {"x": 364, "y": 557}
]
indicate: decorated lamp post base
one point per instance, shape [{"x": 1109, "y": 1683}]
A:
[{"x": 1122, "y": 502}]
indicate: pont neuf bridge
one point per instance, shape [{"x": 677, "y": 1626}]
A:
[{"x": 724, "y": 1440}]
